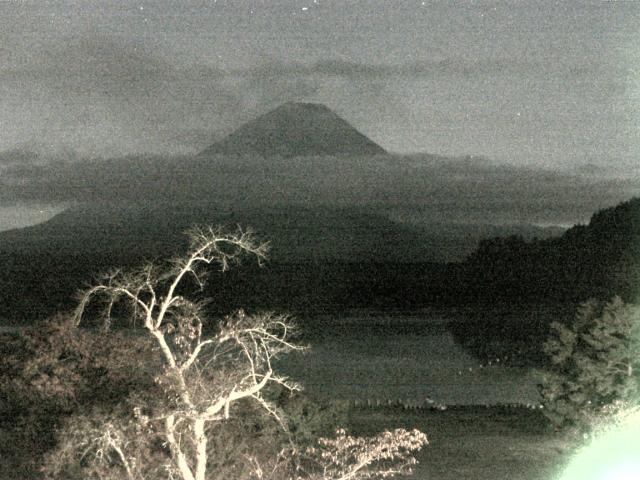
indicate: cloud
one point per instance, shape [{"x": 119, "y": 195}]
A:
[
  {"x": 107, "y": 97},
  {"x": 434, "y": 189},
  {"x": 452, "y": 66},
  {"x": 14, "y": 157}
]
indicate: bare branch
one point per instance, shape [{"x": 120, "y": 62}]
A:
[
  {"x": 202, "y": 378},
  {"x": 194, "y": 355},
  {"x": 225, "y": 402},
  {"x": 206, "y": 248}
]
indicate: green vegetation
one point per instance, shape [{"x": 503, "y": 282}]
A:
[
  {"x": 508, "y": 294},
  {"x": 54, "y": 370},
  {"x": 600, "y": 260},
  {"x": 517, "y": 289},
  {"x": 594, "y": 363}
]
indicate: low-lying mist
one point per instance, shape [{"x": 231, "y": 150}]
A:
[{"x": 419, "y": 189}]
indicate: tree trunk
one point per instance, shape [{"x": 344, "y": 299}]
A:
[
  {"x": 176, "y": 451},
  {"x": 201, "y": 448}
]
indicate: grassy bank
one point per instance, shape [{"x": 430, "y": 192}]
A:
[
  {"x": 476, "y": 443},
  {"x": 465, "y": 443}
]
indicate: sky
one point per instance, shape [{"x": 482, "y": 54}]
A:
[
  {"x": 539, "y": 85},
  {"x": 533, "y": 83}
]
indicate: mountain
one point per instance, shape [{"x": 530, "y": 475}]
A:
[
  {"x": 295, "y": 233},
  {"x": 320, "y": 257},
  {"x": 296, "y": 130},
  {"x": 44, "y": 264}
]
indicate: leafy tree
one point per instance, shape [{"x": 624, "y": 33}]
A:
[
  {"x": 203, "y": 384},
  {"x": 52, "y": 370},
  {"x": 382, "y": 456},
  {"x": 595, "y": 362}
]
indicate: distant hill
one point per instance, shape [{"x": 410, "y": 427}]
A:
[
  {"x": 320, "y": 256},
  {"x": 296, "y": 130},
  {"x": 43, "y": 265},
  {"x": 515, "y": 288},
  {"x": 600, "y": 259},
  {"x": 296, "y": 234}
]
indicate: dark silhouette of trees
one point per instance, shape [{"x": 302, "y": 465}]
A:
[
  {"x": 599, "y": 260},
  {"x": 180, "y": 398},
  {"x": 516, "y": 289},
  {"x": 594, "y": 363}
]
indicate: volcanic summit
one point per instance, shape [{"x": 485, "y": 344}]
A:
[{"x": 296, "y": 130}]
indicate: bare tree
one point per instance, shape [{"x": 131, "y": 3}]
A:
[{"x": 201, "y": 378}]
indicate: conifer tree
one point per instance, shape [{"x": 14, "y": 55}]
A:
[{"x": 594, "y": 363}]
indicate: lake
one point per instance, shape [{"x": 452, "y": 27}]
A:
[{"x": 407, "y": 359}]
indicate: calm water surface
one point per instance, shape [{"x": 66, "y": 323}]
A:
[{"x": 403, "y": 359}]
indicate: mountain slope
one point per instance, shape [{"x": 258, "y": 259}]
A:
[
  {"x": 518, "y": 288},
  {"x": 600, "y": 259},
  {"x": 296, "y": 233},
  {"x": 296, "y": 130},
  {"x": 44, "y": 264}
]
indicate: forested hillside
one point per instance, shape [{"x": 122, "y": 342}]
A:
[
  {"x": 600, "y": 259},
  {"x": 513, "y": 289}
]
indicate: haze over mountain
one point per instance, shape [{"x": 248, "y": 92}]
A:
[
  {"x": 300, "y": 174},
  {"x": 304, "y": 155},
  {"x": 356, "y": 206},
  {"x": 302, "y": 169},
  {"x": 418, "y": 189},
  {"x": 517, "y": 82},
  {"x": 296, "y": 130}
]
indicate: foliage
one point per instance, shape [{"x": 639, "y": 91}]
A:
[
  {"x": 60, "y": 364},
  {"x": 595, "y": 260},
  {"x": 308, "y": 419},
  {"x": 211, "y": 411},
  {"x": 53, "y": 370},
  {"x": 544, "y": 280},
  {"x": 382, "y": 456},
  {"x": 595, "y": 361}
]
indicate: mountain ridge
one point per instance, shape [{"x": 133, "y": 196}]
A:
[{"x": 296, "y": 129}]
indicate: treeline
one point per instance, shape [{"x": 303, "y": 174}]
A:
[
  {"x": 507, "y": 292},
  {"x": 517, "y": 288},
  {"x": 37, "y": 286},
  {"x": 599, "y": 260}
]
